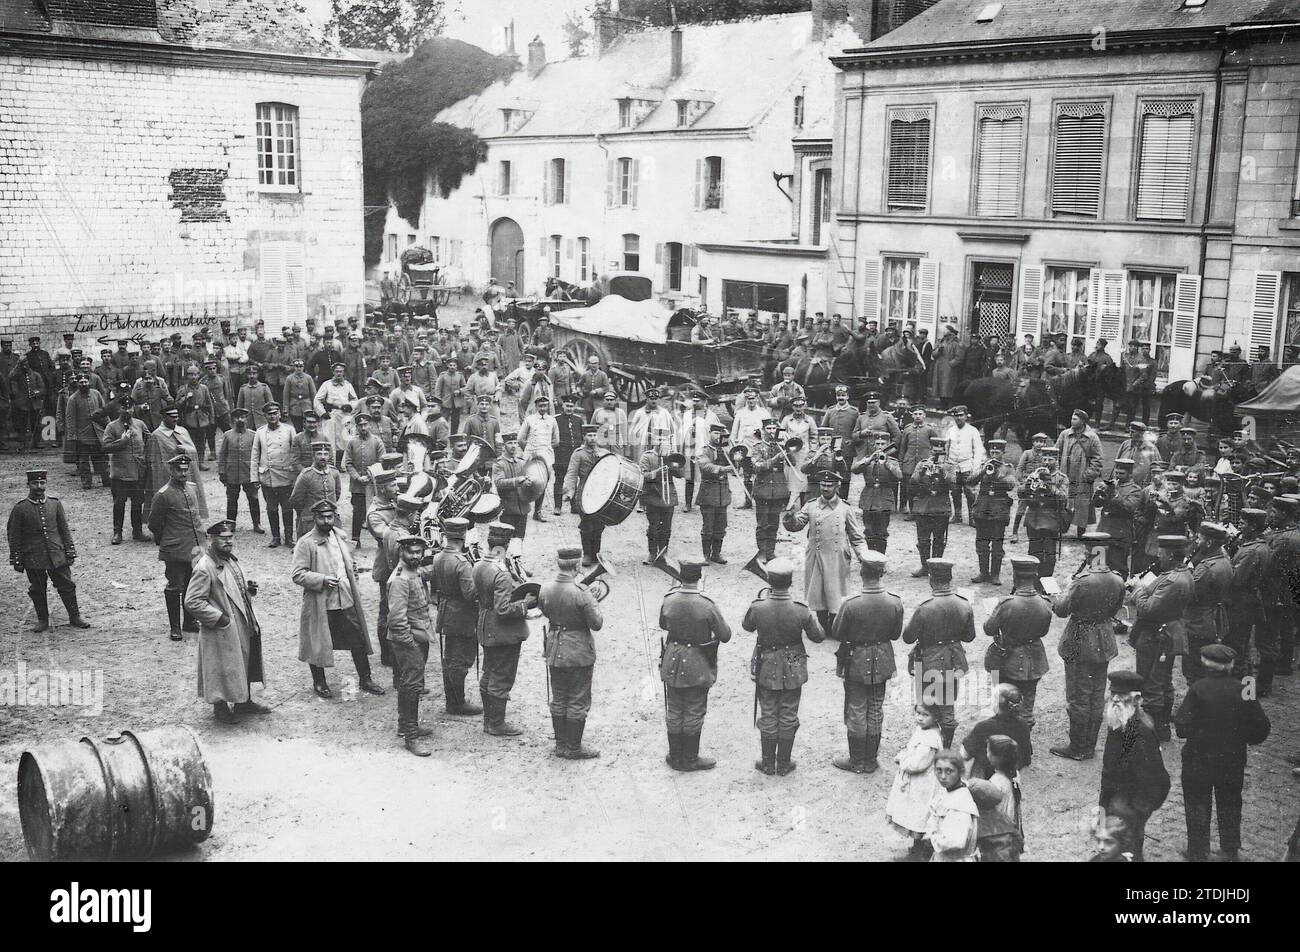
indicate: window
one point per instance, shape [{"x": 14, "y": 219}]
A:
[
  {"x": 435, "y": 245},
  {"x": 631, "y": 252},
  {"x": 504, "y": 177},
  {"x": 1165, "y": 147},
  {"x": 1000, "y": 161},
  {"x": 909, "y": 158},
  {"x": 554, "y": 256},
  {"x": 277, "y": 146},
  {"x": 753, "y": 296},
  {"x": 798, "y": 111},
  {"x": 626, "y": 183},
  {"x": 410, "y": 240},
  {"x": 821, "y": 204},
  {"x": 1078, "y": 159},
  {"x": 902, "y": 290},
  {"x": 673, "y": 266},
  {"x": 625, "y": 114},
  {"x": 1065, "y": 301},
  {"x": 390, "y": 247},
  {"x": 683, "y": 112},
  {"x": 584, "y": 259},
  {"x": 708, "y": 183},
  {"x": 1151, "y": 315},
  {"x": 1290, "y": 350},
  {"x": 555, "y": 184}
]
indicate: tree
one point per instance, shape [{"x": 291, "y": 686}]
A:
[
  {"x": 576, "y": 33},
  {"x": 660, "y": 12},
  {"x": 394, "y": 25}
]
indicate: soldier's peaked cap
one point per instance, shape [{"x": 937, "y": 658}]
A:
[{"x": 1024, "y": 564}]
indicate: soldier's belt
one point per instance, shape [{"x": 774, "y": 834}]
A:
[{"x": 691, "y": 644}]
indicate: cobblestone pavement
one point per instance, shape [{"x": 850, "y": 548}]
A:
[{"x": 328, "y": 779}]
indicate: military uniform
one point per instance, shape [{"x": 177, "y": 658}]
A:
[
  {"x": 992, "y": 514},
  {"x": 1275, "y": 639},
  {"x": 714, "y": 498},
  {"x": 1205, "y": 618},
  {"x": 40, "y": 544},
  {"x": 572, "y": 614},
  {"x": 937, "y": 629},
  {"x": 1017, "y": 626},
  {"x": 1087, "y": 646},
  {"x": 456, "y": 596},
  {"x": 1119, "y": 504},
  {"x": 590, "y": 528},
  {"x": 689, "y": 667},
  {"x": 780, "y": 670},
  {"x": 409, "y": 630},
  {"x": 867, "y": 625},
  {"x": 1245, "y": 606},
  {"x": 880, "y": 478},
  {"x": 931, "y": 486},
  {"x": 174, "y": 521},
  {"x": 311, "y": 486},
  {"x": 659, "y": 498},
  {"x": 1158, "y": 636},
  {"x": 502, "y": 629},
  {"x": 771, "y": 495},
  {"x": 1043, "y": 518}
]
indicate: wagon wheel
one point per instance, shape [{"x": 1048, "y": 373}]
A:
[
  {"x": 404, "y": 288},
  {"x": 443, "y": 297},
  {"x": 631, "y": 388},
  {"x": 578, "y": 350}
]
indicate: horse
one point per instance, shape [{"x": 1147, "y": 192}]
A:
[
  {"x": 1206, "y": 404},
  {"x": 1085, "y": 387},
  {"x": 1024, "y": 407},
  {"x": 558, "y": 290}
]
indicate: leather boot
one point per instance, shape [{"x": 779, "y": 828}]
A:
[
  {"x": 415, "y": 740},
  {"x": 715, "y": 554},
  {"x": 74, "y": 613},
  {"x": 674, "y": 757},
  {"x": 924, "y": 552},
  {"x": 767, "y": 763},
  {"x": 453, "y": 689},
  {"x": 995, "y": 562},
  {"x": 870, "y": 749},
  {"x": 499, "y": 726},
  {"x": 1264, "y": 678},
  {"x": 784, "y": 764},
  {"x": 691, "y": 759},
  {"x": 983, "y": 558},
  {"x": 221, "y": 711},
  {"x": 561, "y": 738},
  {"x": 705, "y": 546},
  {"x": 251, "y": 707},
  {"x": 40, "y": 601},
  {"x": 855, "y": 762},
  {"x": 575, "y": 750},
  {"x": 173, "y": 600},
  {"x": 117, "y": 538}
]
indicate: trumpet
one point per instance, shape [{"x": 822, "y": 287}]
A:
[{"x": 792, "y": 445}]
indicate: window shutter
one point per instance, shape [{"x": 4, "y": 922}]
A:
[
  {"x": 1001, "y": 153},
  {"x": 546, "y": 182},
  {"x": 699, "y": 184},
  {"x": 871, "y": 271},
  {"x": 271, "y": 264},
  {"x": 1164, "y": 177},
  {"x": 1078, "y": 158},
  {"x": 636, "y": 180},
  {"x": 927, "y": 298},
  {"x": 568, "y": 181},
  {"x": 1187, "y": 311},
  {"x": 722, "y": 185},
  {"x": 909, "y": 158},
  {"x": 1029, "y": 308},
  {"x": 1264, "y": 304},
  {"x": 659, "y": 253},
  {"x": 295, "y": 302},
  {"x": 1106, "y": 292},
  {"x": 609, "y": 183},
  {"x": 691, "y": 255}
]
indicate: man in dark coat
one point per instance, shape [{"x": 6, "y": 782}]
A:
[
  {"x": 572, "y": 614},
  {"x": 1245, "y": 608},
  {"x": 715, "y": 493},
  {"x": 1218, "y": 722},
  {"x": 1017, "y": 626},
  {"x": 40, "y": 544},
  {"x": 1205, "y": 618},
  {"x": 937, "y": 628},
  {"x": 1118, "y": 500},
  {"x": 502, "y": 629},
  {"x": 1134, "y": 782},
  {"x": 991, "y": 513},
  {"x": 1158, "y": 634},
  {"x": 174, "y": 521},
  {"x": 688, "y": 664},
  {"x": 235, "y": 469},
  {"x": 454, "y": 593},
  {"x": 867, "y": 625}
]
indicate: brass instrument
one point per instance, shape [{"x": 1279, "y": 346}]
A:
[
  {"x": 662, "y": 564},
  {"x": 792, "y": 445},
  {"x": 593, "y": 582},
  {"x": 990, "y": 469},
  {"x": 755, "y": 567}
]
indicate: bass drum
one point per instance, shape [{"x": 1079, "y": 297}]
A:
[{"x": 611, "y": 490}]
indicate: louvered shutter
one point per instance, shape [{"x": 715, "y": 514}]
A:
[
  {"x": 610, "y": 172},
  {"x": 1187, "y": 310},
  {"x": 1029, "y": 308},
  {"x": 1264, "y": 309},
  {"x": 568, "y": 181},
  {"x": 295, "y": 296},
  {"x": 721, "y": 185},
  {"x": 871, "y": 274},
  {"x": 514, "y": 178},
  {"x": 271, "y": 258},
  {"x": 1078, "y": 159},
  {"x": 909, "y": 158},
  {"x": 927, "y": 297},
  {"x": 699, "y": 184},
  {"x": 546, "y": 182},
  {"x": 1164, "y": 177},
  {"x": 636, "y": 180},
  {"x": 1001, "y": 155}
]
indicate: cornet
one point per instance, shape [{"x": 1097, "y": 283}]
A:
[{"x": 792, "y": 445}]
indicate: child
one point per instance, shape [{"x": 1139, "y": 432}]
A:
[
  {"x": 1110, "y": 842},
  {"x": 953, "y": 825},
  {"x": 915, "y": 784},
  {"x": 1004, "y": 760},
  {"x": 1030, "y": 460},
  {"x": 997, "y": 840}
]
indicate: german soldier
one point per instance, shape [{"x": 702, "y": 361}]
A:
[
  {"x": 590, "y": 527},
  {"x": 931, "y": 485},
  {"x": 867, "y": 625},
  {"x": 40, "y": 544},
  {"x": 659, "y": 497},
  {"x": 502, "y": 629},
  {"x": 689, "y": 665},
  {"x": 1118, "y": 500},
  {"x": 771, "y": 490},
  {"x": 452, "y": 584},
  {"x": 1205, "y": 618},
  {"x": 1246, "y": 612},
  {"x": 1275, "y": 638},
  {"x": 1158, "y": 634},
  {"x": 1087, "y": 645},
  {"x": 174, "y": 521},
  {"x": 1046, "y": 492},
  {"x": 409, "y": 629},
  {"x": 388, "y": 557},
  {"x": 992, "y": 512},
  {"x": 834, "y": 537},
  {"x": 715, "y": 493},
  {"x": 572, "y": 614},
  {"x": 779, "y": 665},
  {"x": 880, "y": 477},
  {"x": 1167, "y": 511},
  {"x": 1134, "y": 782},
  {"x": 1017, "y": 626},
  {"x": 937, "y": 628}
]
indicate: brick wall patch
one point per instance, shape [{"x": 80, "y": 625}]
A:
[{"x": 199, "y": 194}]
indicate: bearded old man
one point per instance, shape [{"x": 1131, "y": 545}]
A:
[{"x": 1134, "y": 782}]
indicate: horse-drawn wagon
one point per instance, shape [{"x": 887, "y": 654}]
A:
[{"x": 422, "y": 278}]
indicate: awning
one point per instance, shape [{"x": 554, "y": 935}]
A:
[{"x": 1280, "y": 396}]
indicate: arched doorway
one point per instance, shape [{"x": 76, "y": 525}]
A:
[{"x": 508, "y": 252}]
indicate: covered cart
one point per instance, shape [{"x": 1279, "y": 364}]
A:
[
  {"x": 421, "y": 278},
  {"x": 1275, "y": 413}
]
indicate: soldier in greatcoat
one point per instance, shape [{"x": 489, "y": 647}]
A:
[
  {"x": 40, "y": 544},
  {"x": 235, "y": 469},
  {"x": 125, "y": 441},
  {"x": 230, "y": 637},
  {"x": 1017, "y": 626},
  {"x": 572, "y": 614},
  {"x": 1245, "y": 606},
  {"x": 866, "y": 626},
  {"x": 937, "y": 629},
  {"x": 834, "y": 537},
  {"x": 688, "y": 666},
  {"x": 410, "y": 629},
  {"x": 779, "y": 665},
  {"x": 82, "y": 413},
  {"x": 176, "y": 521},
  {"x": 1087, "y": 645},
  {"x": 1119, "y": 500}
]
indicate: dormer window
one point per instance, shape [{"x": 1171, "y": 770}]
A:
[
  {"x": 625, "y": 114},
  {"x": 632, "y": 112},
  {"x": 689, "y": 110},
  {"x": 683, "y": 113},
  {"x": 512, "y": 119}
]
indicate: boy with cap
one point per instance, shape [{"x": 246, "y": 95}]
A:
[
  {"x": 715, "y": 493},
  {"x": 1118, "y": 500},
  {"x": 502, "y": 629},
  {"x": 880, "y": 476},
  {"x": 866, "y": 626},
  {"x": 930, "y": 486},
  {"x": 409, "y": 630},
  {"x": 40, "y": 544},
  {"x": 235, "y": 469},
  {"x": 1045, "y": 496},
  {"x": 451, "y": 584},
  {"x": 320, "y": 481},
  {"x": 174, "y": 520},
  {"x": 572, "y": 614},
  {"x": 834, "y": 537},
  {"x": 937, "y": 629},
  {"x": 1218, "y": 720},
  {"x": 590, "y": 528},
  {"x": 1205, "y": 618},
  {"x": 126, "y": 442},
  {"x": 1087, "y": 645},
  {"x": 991, "y": 512},
  {"x": 1017, "y": 626},
  {"x": 230, "y": 638},
  {"x": 688, "y": 665},
  {"x": 1158, "y": 634},
  {"x": 332, "y": 617},
  {"x": 1134, "y": 782},
  {"x": 779, "y": 665}
]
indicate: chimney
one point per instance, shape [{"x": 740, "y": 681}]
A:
[
  {"x": 536, "y": 56},
  {"x": 675, "y": 40},
  {"x": 826, "y": 15},
  {"x": 609, "y": 25}
]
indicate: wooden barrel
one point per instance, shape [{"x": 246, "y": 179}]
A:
[{"x": 130, "y": 796}]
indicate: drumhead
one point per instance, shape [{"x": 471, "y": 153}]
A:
[
  {"x": 600, "y": 485},
  {"x": 486, "y": 503}
]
